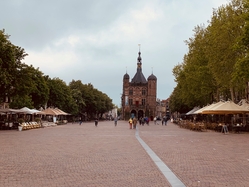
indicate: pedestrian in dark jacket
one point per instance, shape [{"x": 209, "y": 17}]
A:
[{"x": 96, "y": 122}]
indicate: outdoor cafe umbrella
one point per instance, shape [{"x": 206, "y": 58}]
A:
[
  {"x": 26, "y": 110},
  {"x": 193, "y": 110},
  {"x": 49, "y": 111},
  {"x": 60, "y": 111},
  {"x": 227, "y": 107},
  {"x": 244, "y": 104},
  {"x": 32, "y": 112},
  {"x": 208, "y": 107},
  {"x": 200, "y": 110},
  {"x": 10, "y": 111}
]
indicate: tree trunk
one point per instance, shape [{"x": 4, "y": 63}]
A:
[
  {"x": 247, "y": 91},
  {"x": 232, "y": 94}
]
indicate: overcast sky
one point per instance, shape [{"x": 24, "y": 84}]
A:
[{"x": 96, "y": 41}]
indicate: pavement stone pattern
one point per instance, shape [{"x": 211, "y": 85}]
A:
[
  {"x": 201, "y": 158},
  {"x": 74, "y": 155}
]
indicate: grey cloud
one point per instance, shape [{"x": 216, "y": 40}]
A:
[
  {"x": 45, "y": 21},
  {"x": 109, "y": 32}
]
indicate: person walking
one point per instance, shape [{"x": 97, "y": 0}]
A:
[
  {"x": 155, "y": 120},
  {"x": 143, "y": 121},
  {"x": 147, "y": 120},
  {"x": 96, "y": 122},
  {"x": 165, "y": 119},
  {"x": 134, "y": 121},
  {"x": 115, "y": 121},
  {"x": 80, "y": 121},
  {"x": 140, "y": 120},
  {"x": 130, "y": 123}
]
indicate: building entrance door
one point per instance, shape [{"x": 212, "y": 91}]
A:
[
  {"x": 133, "y": 113},
  {"x": 140, "y": 114}
]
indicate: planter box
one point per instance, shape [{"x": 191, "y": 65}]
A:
[{"x": 19, "y": 128}]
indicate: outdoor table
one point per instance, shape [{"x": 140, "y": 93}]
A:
[
  {"x": 237, "y": 129},
  {"x": 201, "y": 127},
  {"x": 15, "y": 125},
  {"x": 2, "y": 125},
  {"x": 218, "y": 128}
]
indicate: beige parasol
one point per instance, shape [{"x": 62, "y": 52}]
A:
[{"x": 228, "y": 107}]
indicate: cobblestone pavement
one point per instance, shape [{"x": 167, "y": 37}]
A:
[
  {"x": 201, "y": 158},
  {"x": 74, "y": 155}
]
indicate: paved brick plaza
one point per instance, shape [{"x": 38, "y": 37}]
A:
[{"x": 87, "y": 156}]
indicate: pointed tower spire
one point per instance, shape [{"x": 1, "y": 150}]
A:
[
  {"x": 139, "y": 60},
  {"x": 139, "y": 77}
]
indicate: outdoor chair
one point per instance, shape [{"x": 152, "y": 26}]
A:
[
  {"x": 26, "y": 126},
  {"x": 203, "y": 127},
  {"x": 34, "y": 124},
  {"x": 192, "y": 126},
  {"x": 197, "y": 126},
  {"x": 247, "y": 128},
  {"x": 37, "y": 124},
  {"x": 30, "y": 125}
]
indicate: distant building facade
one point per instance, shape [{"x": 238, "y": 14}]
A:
[
  {"x": 139, "y": 95},
  {"x": 5, "y": 102},
  {"x": 165, "y": 108}
]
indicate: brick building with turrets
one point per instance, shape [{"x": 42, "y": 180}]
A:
[{"x": 139, "y": 95}]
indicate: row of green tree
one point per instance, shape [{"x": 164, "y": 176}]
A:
[
  {"x": 217, "y": 63},
  {"x": 27, "y": 86}
]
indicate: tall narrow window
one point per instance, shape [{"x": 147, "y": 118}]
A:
[
  {"x": 143, "y": 92},
  {"x": 130, "y": 92},
  {"x": 130, "y": 101},
  {"x": 143, "y": 101}
]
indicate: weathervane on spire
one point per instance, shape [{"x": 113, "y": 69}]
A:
[{"x": 139, "y": 59}]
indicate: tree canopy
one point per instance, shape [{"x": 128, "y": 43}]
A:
[
  {"x": 216, "y": 65},
  {"x": 27, "y": 86}
]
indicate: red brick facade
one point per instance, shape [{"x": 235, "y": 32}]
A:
[{"x": 139, "y": 95}]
